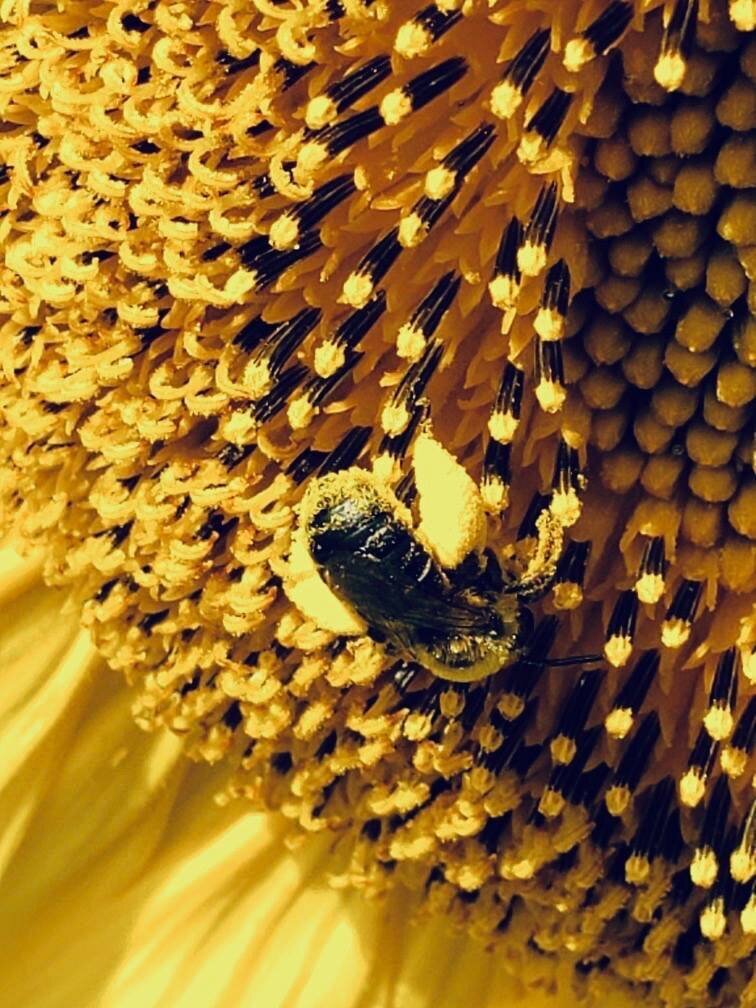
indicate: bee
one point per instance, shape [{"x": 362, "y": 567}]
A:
[{"x": 432, "y": 594}]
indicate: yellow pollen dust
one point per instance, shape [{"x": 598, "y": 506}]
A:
[
  {"x": 502, "y": 427},
  {"x": 439, "y": 182},
  {"x": 412, "y": 40},
  {"x": 617, "y": 799},
  {"x": 649, "y": 588},
  {"x": 675, "y": 632},
  {"x": 396, "y": 106},
  {"x": 532, "y": 148},
  {"x": 257, "y": 378},
  {"x": 551, "y": 804},
  {"x": 320, "y": 112},
  {"x": 704, "y": 868},
  {"x": 357, "y": 291},
  {"x": 411, "y": 231},
  {"x": 329, "y": 357},
  {"x": 637, "y": 869},
  {"x": 310, "y": 157},
  {"x": 549, "y": 324},
  {"x": 451, "y": 511},
  {"x": 562, "y": 749},
  {"x": 394, "y": 419},
  {"x": 531, "y": 259},
  {"x": 284, "y": 232},
  {"x": 577, "y": 53},
  {"x": 505, "y": 100},
  {"x": 550, "y": 395},
  {"x": 713, "y": 921},
  {"x": 670, "y": 71},
  {"x": 410, "y": 342},
  {"x": 619, "y": 722},
  {"x": 718, "y": 722},
  {"x": 300, "y": 412},
  {"x": 504, "y": 292},
  {"x": 692, "y": 788},
  {"x": 567, "y": 595},
  {"x": 495, "y": 494}
]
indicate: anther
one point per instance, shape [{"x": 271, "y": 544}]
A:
[
  {"x": 505, "y": 415},
  {"x": 286, "y": 229},
  {"x": 649, "y": 586},
  {"x": 416, "y": 93},
  {"x": 539, "y": 232},
  {"x": 629, "y": 699},
  {"x": 678, "y": 619},
  {"x": 719, "y": 720},
  {"x": 549, "y": 375},
  {"x": 705, "y": 864},
  {"x": 648, "y": 839},
  {"x": 743, "y": 857},
  {"x": 700, "y": 764},
  {"x": 519, "y": 75},
  {"x": 397, "y": 412},
  {"x": 393, "y": 447},
  {"x": 550, "y": 318},
  {"x": 566, "y": 481},
  {"x": 331, "y": 140},
  {"x": 574, "y": 716},
  {"x": 268, "y": 264},
  {"x": 273, "y": 402},
  {"x": 331, "y": 353},
  {"x": 361, "y": 283},
  {"x": 315, "y": 391},
  {"x": 415, "y": 37},
  {"x": 323, "y": 109},
  {"x": 599, "y": 37},
  {"x": 266, "y": 363},
  {"x": 563, "y": 782},
  {"x": 449, "y": 174},
  {"x": 495, "y": 483},
  {"x": 541, "y": 129},
  {"x": 347, "y": 451},
  {"x": 528, "y": 529},
  {"x": 570, "y": 574},
  {"x": 632, "y": 765},
  {"x": 415, "y": 225},
  {"x": 426, "y": 318},
  {"x": 504, "y": 287},
  {"x": 676, "y": 45},
  {"x": 254, "y": 332},
  {"x": 713, "y": 918},
  {"x": 521, "y": 679},
  {"x": 735, "y": 756}
]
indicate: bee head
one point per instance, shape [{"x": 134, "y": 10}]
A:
[{"x": 338, "y": 512}]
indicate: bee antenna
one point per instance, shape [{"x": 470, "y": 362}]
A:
[{"x": 577, "y": 660}]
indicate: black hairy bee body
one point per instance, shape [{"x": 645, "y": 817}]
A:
[{"x": 455, "y": 624}]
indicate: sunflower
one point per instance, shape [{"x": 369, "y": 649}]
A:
[{"x": 486, "y": 272}]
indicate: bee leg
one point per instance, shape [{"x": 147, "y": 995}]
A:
[
  {"x": 452, "y": 519},
  {"x": 542, "y": 566},
  {"x": 311, "y": 595}
]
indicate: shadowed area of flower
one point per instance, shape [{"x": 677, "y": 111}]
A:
[{"x": 252, "y": 249}]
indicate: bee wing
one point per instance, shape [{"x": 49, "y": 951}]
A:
[{"x": 396, "y": 601}]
